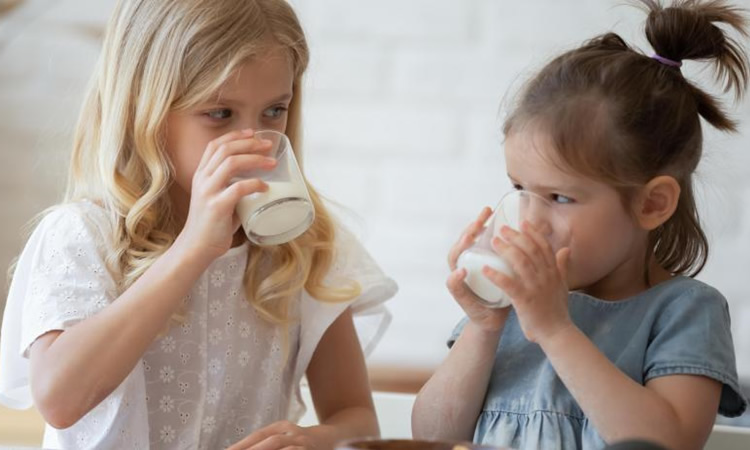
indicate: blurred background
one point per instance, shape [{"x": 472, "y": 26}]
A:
[{"x": 403, "y": 106}]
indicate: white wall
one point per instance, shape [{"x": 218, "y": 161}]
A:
[{"x": 402, "y": 127}]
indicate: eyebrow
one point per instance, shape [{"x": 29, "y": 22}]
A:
[
  {"x": 545, "y": 188},
  {"x": 234, "y": 101}
]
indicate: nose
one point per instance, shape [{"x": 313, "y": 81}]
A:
[
  {"x": 252, "y": 125},
  {"x": 537, "y": 212}
]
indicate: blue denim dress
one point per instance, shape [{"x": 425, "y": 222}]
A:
[{"x": 680, "y": 326}]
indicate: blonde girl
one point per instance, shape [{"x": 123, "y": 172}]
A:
[
  {"x": 139, "y": 315},
  {"x": 610, "y": 338}
]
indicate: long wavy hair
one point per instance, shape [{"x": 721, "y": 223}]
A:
[
  {"x": 622, "y": 117},
  {"x": 162, "y": 56}
]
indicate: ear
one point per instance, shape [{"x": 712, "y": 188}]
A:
[{"x": 657, "y": 201}]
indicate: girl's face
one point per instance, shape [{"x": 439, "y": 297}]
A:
[
  {"x": 257, "y": 97},
  {"x": 607, "y": 247}
]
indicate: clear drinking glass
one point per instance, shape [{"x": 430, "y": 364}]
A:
[
  {"x": 514, "y": 208},
  {"x": 285, "y": 210}
]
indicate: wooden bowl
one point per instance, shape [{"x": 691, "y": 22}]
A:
[{"x": 409, "y": 444}]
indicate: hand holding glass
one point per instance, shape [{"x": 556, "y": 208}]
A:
[
  {"x": 514, "y": 208},
  {"x": 285, "y": 210}
]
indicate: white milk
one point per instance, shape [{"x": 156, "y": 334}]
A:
[
  {"x": 280, "y": 218},
  {"x": 473, "y": 260}
]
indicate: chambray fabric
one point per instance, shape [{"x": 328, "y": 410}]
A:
[{"x": 680, "y": 326}]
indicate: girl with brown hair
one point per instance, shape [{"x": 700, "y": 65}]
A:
[{"x": 610, "y": 337}]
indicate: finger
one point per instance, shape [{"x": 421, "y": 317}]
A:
[
  {"x": 214, "y": 145},
  {"x": 508, "y": 284},
  {"x": 533, "y": 256},
  {"x": 234, "y": 166},
  {"x": 246, "y": 146},
  {"x": 460, "y": 290},
  {"x": 260, "y": 435},
  {"x": 455, "y": 282},
  {"x": 547, "y": 254},
  {"x": 477, "y": 225},
  {"x": 277, "y": 441},
  {"x": 234, "y": 193},
  {"x": 250, "y": 440},
  {"x": 562, "y": 259},
  {"x": 520, "y": 264},
  {"x": 484, "y": 214},
  {"x": 468, "y": 237}
]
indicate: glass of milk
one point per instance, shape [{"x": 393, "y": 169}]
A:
[
  {"x": 285, "y": 210},
  {"x": 511, "y": 211}
]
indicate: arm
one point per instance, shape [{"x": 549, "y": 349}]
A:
[
  {"x": 618, "y": 406},
  {"x": 339, "y": 385},
  {"x": 340, "y": 390},
  {"x": 677, "y": 411},
  {"x": 449, "y": 403},
  {"x": 74, "y": 370}
]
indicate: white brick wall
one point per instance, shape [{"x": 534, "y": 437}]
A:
[{"x": 402, "y": 127}]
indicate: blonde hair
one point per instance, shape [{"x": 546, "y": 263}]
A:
[{"x": 172, "y": 55}]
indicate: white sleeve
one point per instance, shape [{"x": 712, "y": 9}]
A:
[
  {"x": 61, "y": 278},
  {"x": 353, "y": 262},
  {"x": 371, "y": 317}
]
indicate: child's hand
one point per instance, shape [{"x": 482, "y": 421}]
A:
[
  {"x": 489, "y": 319},
  {"x": 212, "y": 222},
  {"x": 283, "y": 434},
  {"x": 539, "y": 291}
]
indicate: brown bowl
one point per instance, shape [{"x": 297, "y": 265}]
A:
[{"x": 409, "y": 444}]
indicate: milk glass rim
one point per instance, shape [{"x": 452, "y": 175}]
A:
[{"x": 532, "y": 194}]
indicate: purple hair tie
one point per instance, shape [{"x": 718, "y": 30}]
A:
[{"x": 667, "y": 61}]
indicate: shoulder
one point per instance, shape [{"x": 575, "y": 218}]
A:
[
  {"x": 66, "y": 235},
  {"x": 688, "y": 294},
  {"x": 684, "y": 288},
  {"x": 351, "y": 258},
  {"x": 76, "y": 221},
  {"x": 82, "y": 214}
]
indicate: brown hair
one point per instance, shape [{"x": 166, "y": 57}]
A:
[{"x": 622, "y": 117}]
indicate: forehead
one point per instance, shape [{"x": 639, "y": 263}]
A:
[
  {"x": 531, "y": 159},
  {"x": 269, "y": 73}
]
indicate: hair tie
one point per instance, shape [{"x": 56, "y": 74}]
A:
[{"x": 667, "y": 61}]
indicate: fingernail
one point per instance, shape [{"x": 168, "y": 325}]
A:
[{"x": 248, "y": 131}]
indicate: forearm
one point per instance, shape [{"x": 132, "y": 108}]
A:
[
  {"x": 618, "y": 406},
  {"x": 350, "y": 423},
  {"x": 448, "y": 405},
  {"x": 86, "y": 362}
]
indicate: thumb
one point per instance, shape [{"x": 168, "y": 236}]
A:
[{"x": 562, "y": 258}]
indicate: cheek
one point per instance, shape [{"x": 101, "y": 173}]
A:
[
  {"x": 185, "y": 150},
  {"x": 598, "y": 245}
]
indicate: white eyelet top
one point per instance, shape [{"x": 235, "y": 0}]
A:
[{"x": 212, "y": 378}]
